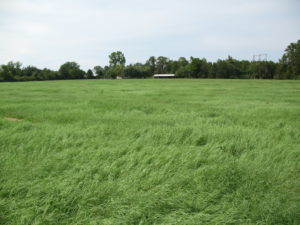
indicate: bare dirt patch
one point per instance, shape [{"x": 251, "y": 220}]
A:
[{"x": 13, "y": 119}]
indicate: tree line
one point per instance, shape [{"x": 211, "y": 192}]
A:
[{"x": 288, "y": 67}]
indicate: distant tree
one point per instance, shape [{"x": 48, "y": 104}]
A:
[
  {"x": 263, "y": 70},
  {"x": 71, "y": 70},
  {"x": 290, "y": 62},
  {"x": 229, "y": 68},
  {"x": 15, "y": 67},
  {"x": 10, "y": 71},
  {"x": 183, "y": 71},
  {"x": 151, "y": 63},
  {"x": 30, "y": 73},
  {"x": 116, "y": 63},
  {"x": 162, "y": 64},
  {"x": 6, "y": 74},
  {"x": 115, "y": 71},
  {"x": 288, "y": 67},
  {"x": 220, "y": 69},
  {"x": 233, "y": 67},
  {"x": 137, "y": 70},
  {"x": 183, "y": 61},
  {"x": 244, "y": 68},
  {"x": 89, "y": 74},
  {"x": 99, "y": 71},
  {"x": 198, "y": 68},
  {"x": 117, "y": 58},
  {"x": 173, "y": 66},
  {"x": 48, "y": 74},
  {"x": 1, "y": 74},
  {"x": 181, "y": 67},
  {"x": 106, "y": 71}
]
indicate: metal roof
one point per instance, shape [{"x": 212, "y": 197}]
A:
[{"x": 164, "y": 75}]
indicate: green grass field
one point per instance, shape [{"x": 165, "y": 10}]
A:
[{"x": 124, "y": 152}]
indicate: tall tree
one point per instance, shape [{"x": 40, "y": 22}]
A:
[
  {"x": 162, "y": 64},
  {"x": 117, "y": 58},
  {"x": 116, "y": 63},
  {"x": 290, "y": 61},
  {"x": 151, "y": 63}
]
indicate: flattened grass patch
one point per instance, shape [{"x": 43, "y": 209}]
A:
[{"x": 14, "y": 119}]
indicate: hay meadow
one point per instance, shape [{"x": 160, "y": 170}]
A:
[{"x": 125, "y": 152}]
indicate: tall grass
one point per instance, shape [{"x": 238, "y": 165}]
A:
[{"x": 150, "y": 152}]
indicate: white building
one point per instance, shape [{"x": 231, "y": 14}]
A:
[{"x": 164, "y": 75}]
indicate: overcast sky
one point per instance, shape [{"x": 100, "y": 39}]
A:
[{"x": 47, "y": 33}]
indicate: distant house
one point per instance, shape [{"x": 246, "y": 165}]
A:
[{"x": 164, "y": 76}]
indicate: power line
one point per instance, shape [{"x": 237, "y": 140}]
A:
[{"x": 260, "y": 57}]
